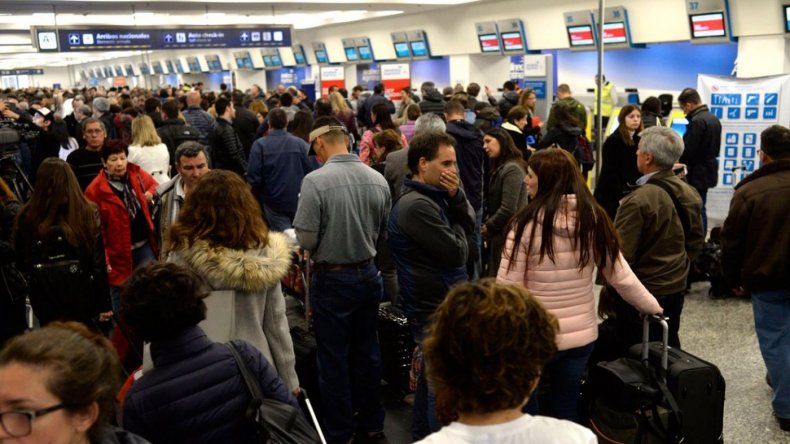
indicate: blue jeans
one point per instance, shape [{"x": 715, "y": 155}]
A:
[
  {"x": 564, "y": 374},
  {"x": 278, "y": 221},
  {"x": 140, "y": 256},
  {"x": 424, "y": 418},
  {"x": 345, "y": 311},
  {"x": 772, "y": 323}
]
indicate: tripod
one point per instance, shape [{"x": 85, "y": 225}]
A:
[{"x": 13, "y": 175}]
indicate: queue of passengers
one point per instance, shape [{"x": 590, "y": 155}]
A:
[{"x": 468, "y": 222}]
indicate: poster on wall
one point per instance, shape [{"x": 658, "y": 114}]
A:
[
  {"x": 395, "y": 77},
  {"x": 332, "y": 76},
  {"x": 745, "y": 108}
]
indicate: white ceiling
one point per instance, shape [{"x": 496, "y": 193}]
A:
[{"x": 16, "y": 19}]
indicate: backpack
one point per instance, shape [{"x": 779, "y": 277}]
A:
[
  {"x": 583, "y": 153},
  {"x": 61, "y": 288}
]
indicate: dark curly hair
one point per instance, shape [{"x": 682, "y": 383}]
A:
[
  {"x": 161, "y": 299},
  {"x": 487, "y": 346}
]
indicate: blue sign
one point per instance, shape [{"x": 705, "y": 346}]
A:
[
  {"x": 771, "y": 99},
  {"x": 769, "y": 113},
  {"x": 749, "y": 139},
  {"x": 717, "y": 111},
  {"x": 748, "y": 165},
  {"x": 752, "y": 113},
  {"x": 725, "y": 99},
  {"x": 731, "y": 139},
  {"x": 749, "y": 152},
  {"x": 729, "y": 164},
  {"x": 728, "y": 179},
  {"x": 121, "y": 39},
  {"x": 730, "y": 151},
  {"x": 538, "y": 85},
  {"x": 733, "y": 113},
  {"x": 752, "y": 99},
  {"x": 21, "y": 72}
]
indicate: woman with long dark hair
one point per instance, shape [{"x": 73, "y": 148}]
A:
[
  {"x": 618, "y": 163},
  {"x": 382, "y": 120},
  {"x": 553, "y": 246},
  {"x": 221, "y": 236},
  {"x": 57, "y": 233},
  {"x": 506, "y": 193}
]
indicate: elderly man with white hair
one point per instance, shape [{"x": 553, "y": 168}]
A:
[{"x": 660, "y": 223}]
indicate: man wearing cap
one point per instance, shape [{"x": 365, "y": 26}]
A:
[
  {"x": 755, "y": 247},
  {"x": 47, "y": 143},
  {"x": 342, "y": 212},
  {"x": 101, "y": 111}
]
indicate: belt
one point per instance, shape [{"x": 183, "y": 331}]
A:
[{"x": 323, "y": 266}]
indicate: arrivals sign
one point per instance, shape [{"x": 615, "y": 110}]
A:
[{"x": 123, "y": 39}]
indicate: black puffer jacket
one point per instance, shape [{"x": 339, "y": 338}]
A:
[
  {"x": 471, "y": 156},
  {"x": 509, "y": 100},
  {"x": 433, "y": 102},
  {"x": 562, "y": 135},
  {"x": 702, "y": 141},
  {"x": 227, "y": 149}
]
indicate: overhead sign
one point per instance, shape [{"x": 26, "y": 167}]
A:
[
  {"x": 21, "y": 72},
  {"x": 121, "y": 39}
]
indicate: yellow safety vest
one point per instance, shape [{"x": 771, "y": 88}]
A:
[{"x": 607, "y": 100}]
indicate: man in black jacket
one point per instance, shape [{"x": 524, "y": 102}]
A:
[
  {"x": 367, "y": 106},
  {"x": 228, "y": 152},
  {"x": 175, "y": 131},
  {"x": 432, "y": 100},
  {"x": 702, "y": 142},
  {"x": 471, "y": 157},
  {"x": 245, "y": 123}
]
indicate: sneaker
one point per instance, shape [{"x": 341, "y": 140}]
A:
[
  {"x": 371, "y": 438},
  {"x": 784, "y": 423}
]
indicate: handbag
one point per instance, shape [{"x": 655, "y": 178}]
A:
[{"x": 275, "y": 422}]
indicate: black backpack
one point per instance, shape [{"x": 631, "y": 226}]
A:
[
  {"x": 61, "y": 286},
  {"x": 583, "y": 152}
]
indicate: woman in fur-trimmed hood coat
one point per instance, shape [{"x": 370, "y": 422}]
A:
[{"x": 254, "y": 277}]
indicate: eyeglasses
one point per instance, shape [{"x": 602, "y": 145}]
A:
[{"x": 18, "y": 423}]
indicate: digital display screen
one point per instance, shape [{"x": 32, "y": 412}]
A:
[
  {"x": 276, "y": 60},
  {"x": 512, "y": 41},
  {"x": 144, "y": 69},
  {"x": 614, "y": 33},
  {"x": 364, "y": 53},
  {"x": 213, "y": 63},
  {"x": 580, "y": 36},
  {"x": 170, "y": 68},
  {"x": 267, "y": 61},
  {"x": 787, "y": 18},
  {"x": 244, "y": 62},
  {"x": 320, "y": 57},
  {"x": 679, "y": 125},
  {"x": 707, "y": 25},
  {"x": 129, "y": 70},
  {"x": 402, "y": 50},
  {"x": 157, "y": 67},
  {"x": 489, "y": 43},
  {"x": 119, "y": 70},
  {"x": 419, "y": 49},
  {"x": 351, "y": 54},
  {"x": 194, "y": 64},
  {"x": 179, "y": 66},
  {"x": 299, "y": 57},
  {"x": 108, "y": 72}
]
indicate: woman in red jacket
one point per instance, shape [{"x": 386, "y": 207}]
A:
[{"x": 122, "y": 191}]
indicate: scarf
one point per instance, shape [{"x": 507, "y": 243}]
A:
[{"x": 124, "y": 184}]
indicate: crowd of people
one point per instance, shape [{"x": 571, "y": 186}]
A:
[{"x": 158, "y": 218}]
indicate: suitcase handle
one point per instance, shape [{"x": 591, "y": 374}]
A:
[{"x": 664, "y": 338}]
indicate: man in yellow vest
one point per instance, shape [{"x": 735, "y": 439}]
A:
[{"x": 608, "y": 103}]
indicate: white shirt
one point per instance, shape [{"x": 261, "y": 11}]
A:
[
  {"x": 154, "y": 160},
  {"x": 526, "y": 429}
]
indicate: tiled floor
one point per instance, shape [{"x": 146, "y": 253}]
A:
[{"x": 720, "y": 331}]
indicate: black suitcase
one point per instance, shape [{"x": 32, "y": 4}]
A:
[
  {"x": 661, "y": 395},
  {"x": 397, "y": 347},
  {"x": 305, "y": 349},
  {"x": 698, "y": 388}
]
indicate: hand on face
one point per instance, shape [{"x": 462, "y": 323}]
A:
[{"x": 449, "y": 181}]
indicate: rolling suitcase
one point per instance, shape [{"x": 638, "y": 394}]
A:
[{"x": 397, "y": 346}]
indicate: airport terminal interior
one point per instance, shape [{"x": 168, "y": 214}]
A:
[{"x": 734, "y": 53}]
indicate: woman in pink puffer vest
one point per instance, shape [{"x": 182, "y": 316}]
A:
[{"x": 556, "y": 261}]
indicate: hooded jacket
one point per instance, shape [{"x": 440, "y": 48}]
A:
[
  {"x": 565, "y": 290},
  {"x": 470, "y": 156},
  {"x": 564, "y": 136},
  {"x": 433, "y": 102},
  {"x": 509, "y": 100},
  {"x": 254, "y": 277}
]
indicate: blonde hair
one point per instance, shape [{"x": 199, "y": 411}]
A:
[
  {"x": 144, "y": 132},
  {"x": 338, "y": 103}
]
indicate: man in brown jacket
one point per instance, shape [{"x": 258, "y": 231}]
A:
[
  {"x": 660, "y": 224},
  {"x": 755, "y": 244}
]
